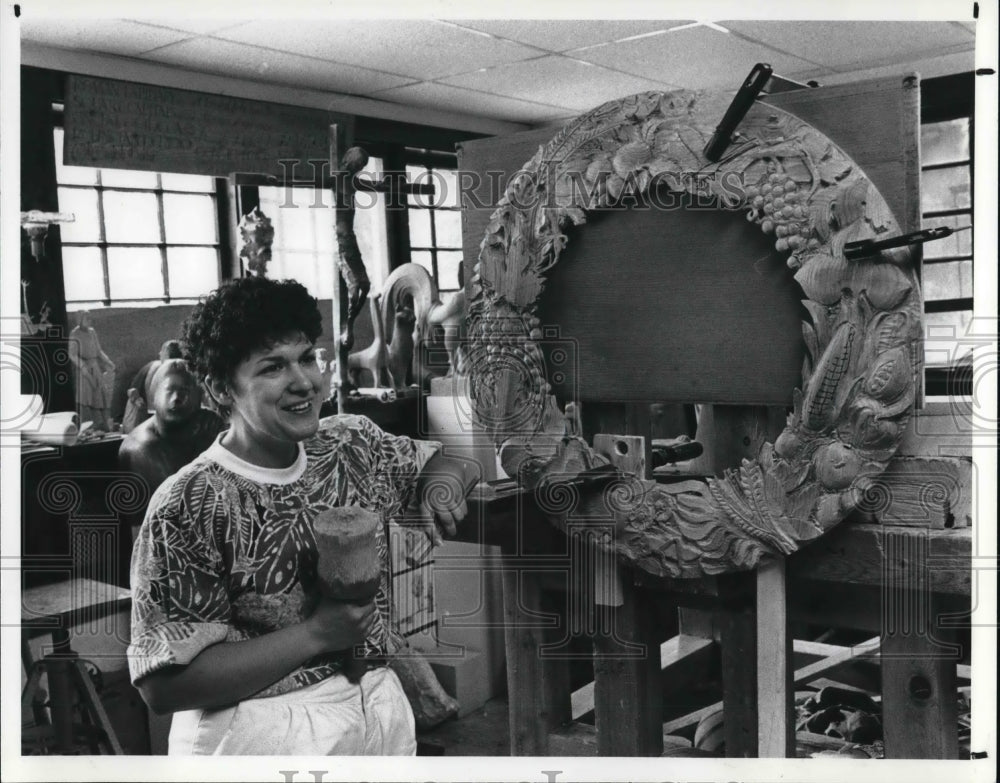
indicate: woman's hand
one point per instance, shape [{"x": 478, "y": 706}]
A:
[
  {"x": 338, "y": 625},
  {"x": 229, "y": 672},
  {"x": 442, "y": 488}
]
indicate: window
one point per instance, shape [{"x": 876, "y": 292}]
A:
[
  {"x": 305, "y": 241},
  {"x": 140, "y": 238},
  {"x": 435, "y": 221},
  {"x": 946, "y": 164}
]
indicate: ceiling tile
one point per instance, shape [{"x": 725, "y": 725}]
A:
[
  {"x": 695, "y": 58},
  {"x": 197, "y": 25},
  {"x": 556, "y": 80},
  {"x": 251, "y": 62},
  {"x": 851, "y": 45},
  {"x": 560, "y": 35},
  {"x": 447, "y": 97},
  {"x": 927, "y": 68},
  {"x": 418, "y": 48},
  {"x": 112, "y": 36}
]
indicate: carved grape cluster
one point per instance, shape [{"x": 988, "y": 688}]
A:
[
  {"x": 504, "y": 341},
  {"x": 779, "y": 204}
]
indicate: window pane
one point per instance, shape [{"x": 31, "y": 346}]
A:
[
  {"x": 124, "y": 178},
  {"x": 449, "y": 262},
  {"x": 303, "y": 268},
  {"x": 419, "y": 175},
  {"x": 947, "y": 280},
  {"x": 193, "y": 271},
  {"x": 190, "y": 220},
  {"x": 959, "y": 244},
  {"x": 422, "y": 257},
  {"x": 71, "y": 175},
  {"x": 324, "y": 227},
  {"x": 83, "y": 205},
  {"x": 448, "y": 227},
  {"x": 293, "y": 227},
  {"x": 193, "y": 182},
  {"x": 945, "y": 340},
  {"x": 135, "y": 272},
  {"x": 944, "y": 142},
  {"x": 131, "y": 217},
  {"x": 447, "y": 184},
  {"x": 420, "y": 228},
  {"x": 83, "y": 275},
  {"x": 945, "y": 189},
  {"x": 326, "y": 268}
]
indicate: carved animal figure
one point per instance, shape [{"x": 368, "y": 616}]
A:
[
  {"x": 373, "y": 357},
  {"x": 399, "y": 353}
]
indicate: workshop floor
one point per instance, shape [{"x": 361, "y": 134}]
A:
[{"x": 484, "y": 732}]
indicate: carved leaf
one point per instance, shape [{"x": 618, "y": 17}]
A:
[
  {"x": 852, "y": 201},
  {"x": 812, "y": 344},
  {"x": 822, "y": 278},
  {"x": 765, "y": 495},
  {"x": 833, "y": 169},
  {"x": 877, "y": 212},
  {"x": 797, "y": 170},
  {"x": 886, "y": 285}
]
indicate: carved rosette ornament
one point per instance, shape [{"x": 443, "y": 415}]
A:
[{"x": 863, "y": 340}]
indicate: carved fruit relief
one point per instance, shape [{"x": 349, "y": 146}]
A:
[{"x": 862, "y": 338}]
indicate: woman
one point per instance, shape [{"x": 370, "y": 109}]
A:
[{"x": 229, "y": 630}]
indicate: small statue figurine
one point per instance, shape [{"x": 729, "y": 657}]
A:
[
  {"x": 94, "y": 373},
  {"x": 257, "y": 234}
]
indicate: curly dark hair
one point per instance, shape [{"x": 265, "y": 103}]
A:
[{"x": 244, "y": 316}]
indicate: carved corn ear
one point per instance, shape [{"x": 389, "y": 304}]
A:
[{"x": 819, "y": 405}]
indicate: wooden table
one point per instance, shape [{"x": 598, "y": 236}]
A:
[
  {"x": 54, "y": 609},
  {"x": 892, "y": 581}
]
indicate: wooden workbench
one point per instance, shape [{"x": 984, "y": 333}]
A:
[{"x": 893, "y": 581}]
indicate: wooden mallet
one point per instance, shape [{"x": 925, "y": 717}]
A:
[{"x": 349, "y": 567}]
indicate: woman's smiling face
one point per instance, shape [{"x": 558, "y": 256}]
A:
[{"x": 274, "y": 394}]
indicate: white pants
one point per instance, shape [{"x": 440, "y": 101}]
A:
[{"x": 334, "y": 717}]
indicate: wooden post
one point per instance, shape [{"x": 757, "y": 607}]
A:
[
  {"x": 730, "y": 434},
  {"x": 775, "y": 723},
  {"x": 738, "y": 647},
  {"x": 919, "y": 698},
  {"x": 537, "y": 688},
  {"x": 627, "y": 695}
]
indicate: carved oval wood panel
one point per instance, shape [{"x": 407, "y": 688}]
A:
[{"x": 863, "y": 339}]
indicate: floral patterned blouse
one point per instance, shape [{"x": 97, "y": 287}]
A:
[{"x": 226, "y": 551}]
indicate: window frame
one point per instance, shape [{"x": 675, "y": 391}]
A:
[
  {"x": 220, "y": 209},
  {"x": 943, "y": 99},
  {"x": 432, "y": 160}
]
